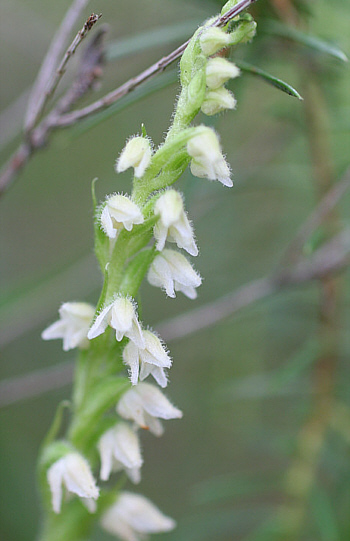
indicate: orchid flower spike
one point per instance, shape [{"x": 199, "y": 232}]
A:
[
  {"x": 122, "y": 317},
  {"x": 173, "y": 224},
  {"x": 119, "y": 212},
  {"x": 119, "y": 449},
  {"x": 145, "y": 404},
  {"x": 152, "y": 359},
  {"x": 171, "y": 271},
  {"x": 73, "y": 325},
  {"x": 73, "y": 472},
  {"x": 133, "y": 516}
]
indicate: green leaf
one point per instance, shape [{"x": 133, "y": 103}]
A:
[
  {"x": 320, "y": 46},
  {"x": 268, "y": 78}
]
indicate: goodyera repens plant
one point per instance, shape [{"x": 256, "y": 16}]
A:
[{"x": 132, "y": 240}]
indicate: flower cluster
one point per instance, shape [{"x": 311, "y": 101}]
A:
[{"x": 125, "y": 227}]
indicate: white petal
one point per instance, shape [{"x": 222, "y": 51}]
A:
[
  {"x": 133, "y": 515},
  {"x": 137, "y": 153},
  {"x": 101, "y": 322},
  {"x": 131, "y": 358},
  {"x": 74, "y": 472},
  {"x": 73, "y": 325}
]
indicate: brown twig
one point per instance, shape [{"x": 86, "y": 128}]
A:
[
  {"x": 39, "y": 136},
  {"x": 328, "y": 260},
  {"x": 37, "y": 100}
]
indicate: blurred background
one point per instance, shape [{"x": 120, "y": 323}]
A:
[{"x": 263, "y": 449}]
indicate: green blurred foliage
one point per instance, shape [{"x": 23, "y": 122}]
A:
[{"x": 245, "y": 385}]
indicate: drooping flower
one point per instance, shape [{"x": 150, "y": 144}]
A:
[
  {"x": 213, "y": 39},
  {"x": 73, "y": 472},
  {"x": 152, "y": 359},
  {"x": 73, "y": 325},
  {"x": 217, "y": 101},
  {"x": 122, "y": 317},
  {"x": 119, "y": 449},
  {"x": 173, "y": 224},
  {"x": 133, "y": 516},
  {"x": 218, "y": 71},
  {"x": 119, "y": 212},
  {"x": 137, "y": 153},
  {"x": 171, "y": 271},
  {"x": 208, "y": 161},
  {"x": 145, "y": 404}
]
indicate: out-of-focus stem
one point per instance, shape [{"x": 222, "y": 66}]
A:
[{"x": 301, "y": 477}]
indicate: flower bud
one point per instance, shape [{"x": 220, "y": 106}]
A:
[
  {"x": 218, "y": 100},
  {"x": 218, "y": 71},
  {"x": 73, "y": 325},
  {"x": 213, "y": 39},
  {"x": 118, "y": 212},
  {"x": 137, "y": 153}
]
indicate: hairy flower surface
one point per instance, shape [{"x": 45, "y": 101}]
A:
[
  {"x": 208, "y": 161},
  {"x": 152, "y": 359},
  {"x": 213, "y": 39},
  {"x": 121, "y": 316},
  {"x": 137, "y": 153},
  {"x": 217, "y": 101},
  {"x": 145, "y": 404},
  {"x": 132, "y": 516},
  {"x": 119, "y": 449},
  {"x": 173, "y": 225},
  {"x": 218, "y": 71},
  {"x": 73, "y": 325},
  {"x": 171, "y": 271},
  {"x": 119, "y": 212},
  {"x": 73, "y": 472}
]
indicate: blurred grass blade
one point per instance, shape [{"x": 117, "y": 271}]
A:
[
  {"x": 268, "y": 78},
  {"x": 317, "y": 44},
  {"x": 150, "y": 87},
  {"x": 152, "y": 38},
  {"x": 324, "y": 515}
]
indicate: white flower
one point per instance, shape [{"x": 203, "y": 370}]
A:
[
  {"x": 137, "y": 153},
  {"x": 72, "y": 471},
  {"x": 145, "y": 404},
  {"x": 173, "y": 224},
  {"x": 152, "y": 359},
  {"x": 218, "y": 71},
  {"x": 213, "y": 39},
  {"x": 118, "y": 212},
  {"x": 133, "y": 516},
  {"x": 121, "y": 316},
  {"x": 119, "y": 449},
  {"x": 171, "y": 271},
  {"x": 208, "y": 161},
  {"x": 218, "y": 100},
  {"x": 73, "y": 325}
]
